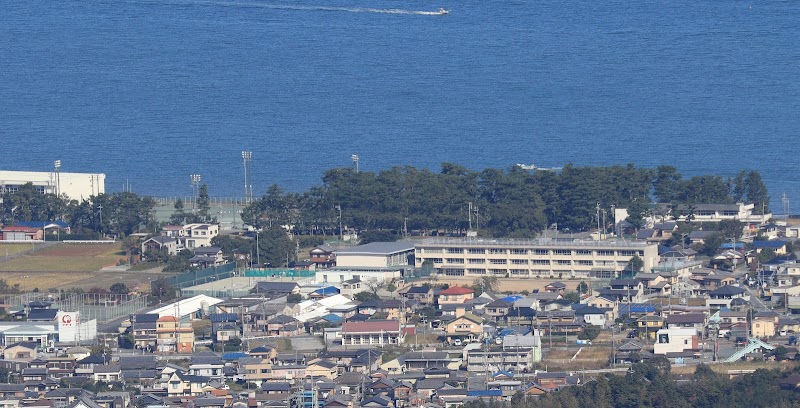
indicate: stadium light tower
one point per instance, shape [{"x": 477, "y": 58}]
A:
[
  {"x": 247, "y": 157},
  {"x": 57, "y": 165},
  {"x": 195, "y": 178}
]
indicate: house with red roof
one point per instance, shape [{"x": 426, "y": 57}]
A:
[
  {"x": 455, "y": 295},
  {"x": 372, "y": 332}
]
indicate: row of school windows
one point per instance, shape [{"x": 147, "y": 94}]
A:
[
  {"x": 539, "y": 252},
  {"x": 561, "y": 262}
]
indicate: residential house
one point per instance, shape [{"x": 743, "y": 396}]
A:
[
  {"x": 107, "y": 373},
  {"x": 283, "y": 326},
  {"x": 591, "y": 315},
  {"x": 721, "y": 297},
  {"x": 778, "y": 247},
  {"x": 556, "y": 287},
  {"x": 352, "y": 286},
  {"x": 623, "y": 290},
  {"x": 556, "y": 380},
  {"x": 372, "y": 332},
  {"x": 180, "y": 384},
  {"x": 207, "y": 256},
  {"x": 675, "y": 340},
  {"x": 323, "y": 257},
  {"x": 454, "y": 295},
  {"x": 21, "y": 351},
  {"x": 421, "y": 294},
  {"x": 153, "y": 246},
  {"x": 466, "y": 326},
  {"x": 630, "y": 351},
  {"x": 649, "y": 324},
  {"x": 764, "y": 324},
  {"x": 172, "y": 337},
  {"x": 497, "y": 308},
  {"x": 695, "y": 321}
]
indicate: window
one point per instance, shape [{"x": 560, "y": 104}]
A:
[
  {"x": 563, "y": 262},
  {"x": 541, "y": 262},
  {"x": 455, "y": 250},
  {"x": 435, "y": 260},
  {"x": 586, "y": 263},
  {"x": 562, "y": 252},
  {"x": 544, "y": 252},
  {"x": 584, "y": 252},
  {"x": 476, "y": 251},
  {"x": 475, "y": 261},
  {"x": 605, "y": 253},
  {"x": 498, "y": 261},
  {"x": 498, "y": 251},
  {"x": 455, "y": 260},
  {"x": 519, "y": 261},
  {"x": 518, "y": 251}
]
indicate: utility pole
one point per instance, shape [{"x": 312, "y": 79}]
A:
[
  {"x": 100, "y": 208},
  {"x": 341, "y": 233}
]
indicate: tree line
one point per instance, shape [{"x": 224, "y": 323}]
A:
[
  {"x": 503, "y": 203},
  {"x": 651, "y": 385}
]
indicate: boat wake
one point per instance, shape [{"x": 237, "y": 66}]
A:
[{"x": 275, "y": 6}]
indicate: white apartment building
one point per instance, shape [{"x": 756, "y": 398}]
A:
[
  {"x": 76, "y": 186},
  {"x": 543, "y": 257}
]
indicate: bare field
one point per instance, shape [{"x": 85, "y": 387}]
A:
[
  {"x": 136, "y": 281},
  {"x": 66, "y": 266},
  {"x": 66, "y": 258},
  {"x": 590, "y": 357}
]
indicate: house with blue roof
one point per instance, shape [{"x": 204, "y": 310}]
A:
[{"x": 322, "y": 293}]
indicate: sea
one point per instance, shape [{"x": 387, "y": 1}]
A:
[{"x": 149, "y": 92}]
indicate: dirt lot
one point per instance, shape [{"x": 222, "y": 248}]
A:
[{"x": 590, "y": 357}]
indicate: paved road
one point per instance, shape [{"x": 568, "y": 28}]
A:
[{"x": 757, "y": 303}]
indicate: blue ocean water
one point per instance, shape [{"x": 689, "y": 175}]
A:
[{"x": 153, "y": 91}]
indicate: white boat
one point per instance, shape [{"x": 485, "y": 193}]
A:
[{"x": 442, "y": 11}]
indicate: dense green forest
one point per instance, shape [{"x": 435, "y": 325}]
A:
[
  {"x": 505, "y": 203},
  {"x": 651, "y": 385},
  {"x": 510, "y": 203}
]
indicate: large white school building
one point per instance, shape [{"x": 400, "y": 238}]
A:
[
  {"x": 544, "y": 257},
  {"x": 76, "y": 186}
]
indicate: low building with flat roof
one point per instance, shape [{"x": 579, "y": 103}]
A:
[{"x": 377, "y": 255}]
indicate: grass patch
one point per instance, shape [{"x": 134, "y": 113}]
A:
[{"x": 13, "y": 249}]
